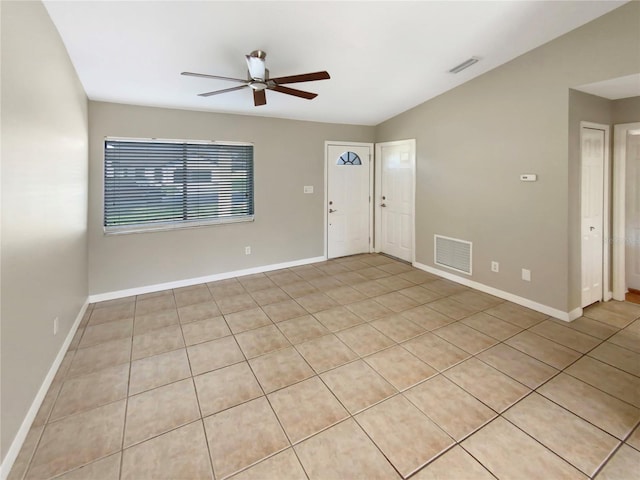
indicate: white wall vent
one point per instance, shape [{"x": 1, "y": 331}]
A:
[{"x": 452, "y": 253}]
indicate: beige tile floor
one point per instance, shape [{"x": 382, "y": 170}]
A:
[{"x": 356, "y": 368}]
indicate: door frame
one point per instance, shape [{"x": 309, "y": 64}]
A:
[
  {"x": 620, "y": 133},
  {"x": 378, "y": 187},
  {"x": 343, "y": 143},
  {"x": 606, "y": 205}
]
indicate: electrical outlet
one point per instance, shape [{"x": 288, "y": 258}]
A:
[
  {"x": 247, "y": 250},
  {"x": 308, "y": 189},
  {"x": 526, "y": 275},
  {"x": 55, "y": 326},
  {"x": 495, "y": 267}
]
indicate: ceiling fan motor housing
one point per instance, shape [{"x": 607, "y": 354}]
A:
[
  {"x": 258, "y": 54},
  {"x": 259, "y": 80},
  {"x": 257, "y": 85}
]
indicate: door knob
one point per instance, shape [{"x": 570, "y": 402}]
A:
[
  {"x": 331, "y": 210},
  {"x": 592, "y": 228},
  {"x": 383, "y": 205}
]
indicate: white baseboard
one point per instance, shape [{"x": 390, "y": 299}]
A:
[
  {"x": 525, "y": 302},
  {"x": 20, "y": 437},
  {"x": 575, "y": 313},
  {"x": 101, "y": 297},
  {"x": 608, "y": 296}
]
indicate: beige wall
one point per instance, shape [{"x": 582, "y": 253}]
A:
[
  {"x": 582, "y": 108},
  {"x": 590, "y": 108},
  {"x": 474, "y": 141},
  {"x": 289, "y": 225},
  {"x": 472, "y": 144},
  {"x": 44, "y": 204},
  {"x": 625, "y": 110}
]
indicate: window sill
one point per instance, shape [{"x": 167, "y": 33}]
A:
[{"x": 163, "y": 227}]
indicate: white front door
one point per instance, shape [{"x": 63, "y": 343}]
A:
[
  {"x": 592, "y": 200},
  {"x": 395, "y": 198},
  {"x": 632, "y": 209},
  {"x": 348, "y": 199}
]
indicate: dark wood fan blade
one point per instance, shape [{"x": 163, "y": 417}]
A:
[
  {"x": 305, "y": 77},
  {"x": 216, "y": 77},
  {"x": 216, "y": 92},
  {"x": 294, "y": 92},
  {"x": 259, "y": 98}
]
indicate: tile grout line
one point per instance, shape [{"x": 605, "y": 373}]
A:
[
  {"x": 525, "y": 396},
  {"x": 195, "y": 389},
  {"x": 44, "y": 426},
  {"x": 620, "y": 442},
  {"x": 373, "y": 442},
  {"x": 266, "y": 397},
  {"x": 62, "y": 381},
  {"x": 548, "y": 448},
  {"x": 560, "y": 371},
  {"x": 400, "y": 394},
  {"x": 401, "y": 344},
  {"x": 126, "y": 409},
  {"x": 476, "y": 459},
  {"x": 474, "y": 355},
  {"x": 193, "y": 383},
  {"x": 373, "y": 405},
  {"x": 47, "y": 422}
]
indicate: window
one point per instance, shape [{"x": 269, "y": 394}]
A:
[
  {"x": 162, "y": 184},
  {"x": 349, "y": 158}
]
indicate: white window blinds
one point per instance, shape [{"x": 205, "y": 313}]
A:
[{"x": 164, "y": 184}]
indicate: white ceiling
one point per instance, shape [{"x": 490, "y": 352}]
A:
[
  {"x": 383, "y": 57},
  {"x": 614, "y": 89}
]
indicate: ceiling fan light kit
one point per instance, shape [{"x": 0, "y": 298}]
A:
[{"x": 259, "y": 80}]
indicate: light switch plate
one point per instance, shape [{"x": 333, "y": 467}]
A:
[{"x": 308, "y": 189}]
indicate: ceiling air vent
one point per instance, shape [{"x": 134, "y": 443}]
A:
[
  {"x": 452, "y": 253},
  {"x": 465, "y": 64}
]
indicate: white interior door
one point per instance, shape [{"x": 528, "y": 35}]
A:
[
  {"x": 632, "y": 209},
  {"x": 592, "y": 199},
  {"x": 395, "y": 198},
  {"x": 348, "y": 199}
]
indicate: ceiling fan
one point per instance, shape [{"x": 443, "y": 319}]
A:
[{"x": 259, "y": 80}]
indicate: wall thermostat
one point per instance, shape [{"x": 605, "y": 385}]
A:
[{"x": 528, "y": 177}]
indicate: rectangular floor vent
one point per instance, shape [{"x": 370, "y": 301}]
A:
[{"x": 452, "y": 253}]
